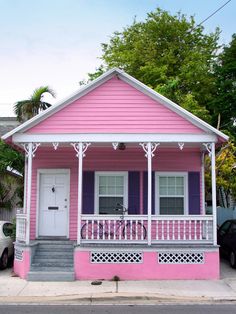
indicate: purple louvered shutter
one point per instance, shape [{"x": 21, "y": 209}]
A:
[
  {"x": 145, "y": 192},
  {"x": 194, "y": 193},
  {"x": 134, "y": 193},
  {"x": 88, "y": 193}
]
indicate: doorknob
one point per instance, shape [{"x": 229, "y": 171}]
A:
[{"x": 65, "y": 199}]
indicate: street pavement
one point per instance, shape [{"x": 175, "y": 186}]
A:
[{"x": 16, "y": 290}]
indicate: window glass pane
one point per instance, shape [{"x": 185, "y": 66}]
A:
[
  {"x": 171, "y": 181},
  {"x": 179, "y": 190},
  {"x": 108, "y": 205},
  {"x": 102, "y": 190},
  {"x": 102, "y": 180},
  {"x": 163, "y": 181},
  {"x": 171, "y": 205},
  {"x": 179, "y": 181},
  {"x": 7, "y": 229},
  {"x": 119, "y": 180},
  {"x": 111, "y": 190},
  {"x": 119, "y": 190},
  {"x": 171, "y": 190},
  {"x": 163, "y": 191},
  {"x": 111, "y": 180}
]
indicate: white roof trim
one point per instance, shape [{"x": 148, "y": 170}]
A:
[
  {"x": 128, "y": 79},
  {"x": 114, "y": 137}
]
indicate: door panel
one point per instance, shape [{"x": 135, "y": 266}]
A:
[{"x": 53, "y": 204}]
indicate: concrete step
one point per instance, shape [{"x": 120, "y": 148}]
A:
[
  {"x": 51, "y": 259},
  {"x": 56, "y": 249},
  {"x": 51, "y": 276},
  {"x": 51, "y": 247},
  {"x": 55, "y": 241},
  {"x": 52, "y": 264},
  {"x": 57, "y": 255},
  {"x": 52, "y": 268}
]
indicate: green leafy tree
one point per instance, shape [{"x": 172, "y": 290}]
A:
[
  {"x": 26, "y": 109},
  {"x": 223, "y": 106},
  {"x": 169, "y": 53},
  {"x": 225, "y": 173},
  {"x": 10, "y": 158},
  {"x": 11, "y": 186}
]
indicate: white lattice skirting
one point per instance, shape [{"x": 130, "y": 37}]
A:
[
  {"x": 181, "y": 258},
  {"x": 116, "y": 257}
]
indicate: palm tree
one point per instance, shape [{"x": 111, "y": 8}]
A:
[{"x": 26, "y": 109}]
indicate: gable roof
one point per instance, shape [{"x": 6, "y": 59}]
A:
[{"x": 133, "y": 82}]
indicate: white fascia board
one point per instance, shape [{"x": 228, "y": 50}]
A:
[
  {"x": 61, "y": 104},
  {"x": 109, "y": 138},
  {"x": 171, "y": 105}
]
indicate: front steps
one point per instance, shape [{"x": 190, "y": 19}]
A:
[{"x": 53, "y": 261}]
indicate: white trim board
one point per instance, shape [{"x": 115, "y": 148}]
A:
[
  {"x": 133, "y": 82},
  {"x": 112, "y": 137}
]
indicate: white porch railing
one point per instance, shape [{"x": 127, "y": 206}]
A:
[
  {"x": 182, "y": 229},
  {"x": 21, "y": 225},
  {"x": 114, "y": 229},
  {"x": 134, "y": 229}
]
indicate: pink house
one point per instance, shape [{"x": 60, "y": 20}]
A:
[{"x": 115, "y": 187}]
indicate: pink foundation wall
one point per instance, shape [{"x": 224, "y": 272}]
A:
[
  {"x": 148, "y": 270},
  {"x": 21, "y": 268},
  {"x": 115, "y": 107},
  {"x": 104, "y": 159}
]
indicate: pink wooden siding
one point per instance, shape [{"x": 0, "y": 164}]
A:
[
  {"x": 115, "y": 107},
  {"x": 107, "y": 159}
]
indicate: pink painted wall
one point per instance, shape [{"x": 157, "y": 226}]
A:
[
  {"x": 115, "y": 107},
  {"x": 104, "y": 159},
  {"x": 148, "y": 270},
  {"x": 21, "y": 268}
]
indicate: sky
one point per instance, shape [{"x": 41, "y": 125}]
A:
[{"x": 57, "y": 42}]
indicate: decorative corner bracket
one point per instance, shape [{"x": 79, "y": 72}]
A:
[
  {"x": 30, "y": 150},
  {"x": 115, "y": 145},
  {"x": 153, "y": 148},
  {"x": 208, "y": 147},
  {"x": 181, "y": 146},
  {"x": 84, "y": 147},
  {"x": 55, "y": 145}
]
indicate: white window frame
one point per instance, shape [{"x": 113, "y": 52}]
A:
[
  {"x": 109, "y": 173},
  {"x": 159, "y": 174}
]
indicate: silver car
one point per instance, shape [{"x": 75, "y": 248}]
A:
[{"x": 6, "y": 243}]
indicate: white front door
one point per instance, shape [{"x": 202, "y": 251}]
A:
[{"x": 53, "y": 203}]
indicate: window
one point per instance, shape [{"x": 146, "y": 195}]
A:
[
  {"x": 110, "y": 188},
  {"x": 7, "y": 229},
  {"x": 171, "y": 193}
]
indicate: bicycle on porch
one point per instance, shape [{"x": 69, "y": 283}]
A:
[{"x": 114, "y": 229}]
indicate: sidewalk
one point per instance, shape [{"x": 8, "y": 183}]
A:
[{"x": 16, "y": 290}]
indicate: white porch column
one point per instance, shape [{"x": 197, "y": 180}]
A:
[
  {"x": 30, "y": 150},
  {"x": 213, "y": 192},
  {"x": 80, "y": 148},
  {"x": 149, "y": 149},
  {"x": 203, "y": 183},
  {"x": 210, "y": 147}
]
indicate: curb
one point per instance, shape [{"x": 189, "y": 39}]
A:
[{"x": 113, "y": 298}]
